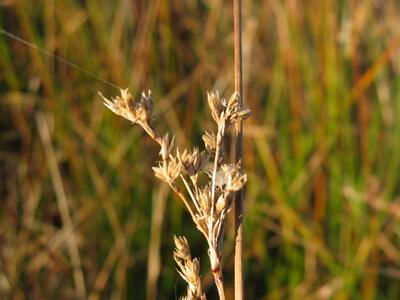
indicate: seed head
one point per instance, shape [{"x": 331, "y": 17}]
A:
[
  {"x": 226, "y": 111},
  {"x": 203, "y": 197},
  {"x": 232, "y": 179},
  {"x": 189, "y": 269},
  {"x": 216, "y": 105},
  {"x": 166, "y": 146},
  {"x": 229, "y": 177},
  {"x": 222, "y": 202},
  {"x": 234, "y": 112},
  {"x": 168, "y": 170},
  {"x": 182, "y": 250},
  {"x": 135, "y": 111},
  {"x": 210, "y": 141},
  {"x": 192, "y": 162}
]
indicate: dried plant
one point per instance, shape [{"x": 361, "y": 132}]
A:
[
  {"x": 189, "y": 269},
  {"x": 209, "y": 203}
]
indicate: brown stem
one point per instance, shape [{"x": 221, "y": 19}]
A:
[
  {"x": 151, "y": 132},
  {"x": 220, "y": 136},
  {"x": 238, "y": 146},
  {"x": 219, "y": 282}
]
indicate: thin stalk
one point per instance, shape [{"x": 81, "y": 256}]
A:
[
  {"x": 218, "y": 278},
  {"x": 238, "y": 146},
  {"x": 151, "y": 132},
  {"x": 63, "y": 205},
  {"x": 214, "y": 174},
  {"x": 190, "y": 193},
  {"x": 194, "y": 183},
  {"x": 219, "y": 283},
  {"x": 184, "y": 200}
]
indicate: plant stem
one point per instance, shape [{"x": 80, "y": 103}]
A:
[
  {"x": 219, "y": 282},
  {"x": 188, "y": 188},
  {"x": 220, "y": 136},
  {"x": 238, "y": 146}
]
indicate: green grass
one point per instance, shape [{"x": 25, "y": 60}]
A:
[{"x": 321, "y": 148}]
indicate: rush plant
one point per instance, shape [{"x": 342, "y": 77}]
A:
[{"x": 201, "y": 179}]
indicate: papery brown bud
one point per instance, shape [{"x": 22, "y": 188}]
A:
[
  {"x": 168, "y": 170},
  {"x": 135, "y": 111},
  {"x": 210, "y": 141},
  {"x": 182, "y": 249},
  {"x": 166, "y": 146},
  {"x": 216, "y": 105}
]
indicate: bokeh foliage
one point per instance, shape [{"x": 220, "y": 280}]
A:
[{"x": 321, "y": 148}]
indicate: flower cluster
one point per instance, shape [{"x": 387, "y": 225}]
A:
[
  {"x": 208, "y": 203},
  {"x": 189, "y": 269},
  {"x": 135, "y": 111},
  {"x": 226, "y": 111}
]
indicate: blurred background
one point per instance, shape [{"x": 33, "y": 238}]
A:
[{"x": 81, "y": 215}]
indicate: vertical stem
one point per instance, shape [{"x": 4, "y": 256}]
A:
[
  {"x": 238, "y": 146},
  {"x": 63, "y": 205},
  {"x": 219, "y": 283},
  {"x": 154, "y": 259},
  {"x": 214, "y": 174}
]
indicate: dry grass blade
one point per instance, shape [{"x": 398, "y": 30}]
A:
[
  {"x": 63, "y": 206},
  {"x": 154, "y": 259}
]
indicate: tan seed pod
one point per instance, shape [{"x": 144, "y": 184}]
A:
[
  {"x": 210, "y": 141},
  {"x": 166, "y": 146},
  {"x": 135, "y": 111}
]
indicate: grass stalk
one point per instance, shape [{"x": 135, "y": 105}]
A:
[
  {"x": 214, "y": 174},
  {"x": 219, "y": 282},
  {"x": 154, "y": 259},
  {"x": 63, "y": 205},
  {"x": 238, "y": 146}
]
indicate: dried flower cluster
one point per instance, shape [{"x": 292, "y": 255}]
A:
[
  {"x": 189, "y": 269},
  {"x": 207, "y": 203}
]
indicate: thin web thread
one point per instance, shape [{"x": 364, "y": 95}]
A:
[
  {"x": 60, "y": 59},
  {"x": 68, "y": 63}
]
